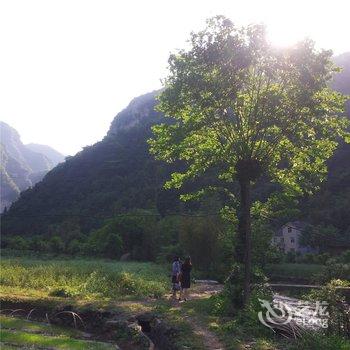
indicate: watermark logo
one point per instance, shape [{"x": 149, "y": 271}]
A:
[{"x": 305, "y": 314}]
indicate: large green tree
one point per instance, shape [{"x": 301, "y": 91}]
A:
[{"x": 242, "y": 109}]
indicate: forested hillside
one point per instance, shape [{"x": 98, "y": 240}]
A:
[
  {"x": 118, "y": 175},
  {"x": 330, "y": 207},
  {"x": 113, "y": 176}
]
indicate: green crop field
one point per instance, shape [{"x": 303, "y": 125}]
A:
[{"x": 82, "y": 278}]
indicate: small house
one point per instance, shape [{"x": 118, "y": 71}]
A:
[{"x": 287, "y": 238}]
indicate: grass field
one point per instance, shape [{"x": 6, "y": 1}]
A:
[
  {"x": 82, "y": 278},
  {"x": 281, "y": 272},
  {"x": 124, "y": 287}
]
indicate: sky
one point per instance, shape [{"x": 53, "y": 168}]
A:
[{"x": 67, "y": 67}]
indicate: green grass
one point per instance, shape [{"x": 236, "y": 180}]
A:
[
  {"x": 31, "y": 339},
  {"x": 82, "y": 278},
  {"x": 316, "y": 341},
  {"x": 24, "y": 325},
  {"x": 16, "y": 332},
  {"x": 281, "y": 272}
]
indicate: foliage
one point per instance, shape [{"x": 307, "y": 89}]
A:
[
  {"x": 118, "y": 175},
  {"x": 309, "y": 258},
  {"x": 234, "y": 288},
  {"x": 232, "y": 98},
  {"x": 56, "y": 244},
  {"x": 105, "y": 242},
  {"x": 18, "y": 242},
  {"x": 288, "y": 271},
  {"x": 324, "y": 237},
  {"x": 63, "y": 292},
  {"x": 239, "y": 110},
  {"x": 339, "y": 312},
  {"x": 345, "y": 257},
  {"x": 333, "y": 270}
]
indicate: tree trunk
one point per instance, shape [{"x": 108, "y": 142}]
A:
[{"x": 246, "y": 234}]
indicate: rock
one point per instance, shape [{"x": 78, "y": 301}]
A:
[
  {"x": 132, "y": 332},
  {"x": 159, "y": 331},
  {"x": 207, "y": 281}
]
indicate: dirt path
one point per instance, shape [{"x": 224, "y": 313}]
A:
[{"x": 202, "y": 291}]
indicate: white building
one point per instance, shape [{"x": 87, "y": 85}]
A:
[{"x": 287, "y": 238}]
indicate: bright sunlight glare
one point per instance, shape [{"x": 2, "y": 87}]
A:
[{"x": 68, "y": 67}]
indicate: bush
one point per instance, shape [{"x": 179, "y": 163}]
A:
[
  {"x": 321, "y": 258},
  {"x": 168, "y": 252},
  {"x": 39, "y": 244},
  {"x": 234, "y": 285},
  {"x": 298, "y": 272},
  {"x": 56, "y": 245},
  {"x": 345, "y": 257},
  {"x": 313, "y": 258},
  {"x": 339, "y": 316},
  {"x": 18, "y": 243},
  {"x": 63, "y": 292},
  {"x": 74, "y": 247},
  {"x": 333, "y": 270},
  {"x": 104, "y": 242}
]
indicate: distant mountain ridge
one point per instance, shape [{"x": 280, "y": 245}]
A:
[
  {"x": 341, "y": 81},
  {"x": 21, "y": 165},
  {"x": 54, "y": 156}
]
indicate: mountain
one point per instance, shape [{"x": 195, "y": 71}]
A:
[
  {"x": 114, "y": 175},
  {"x": 21, "y": 167},
  {"x": 117, "y": 175},
  {"x": 331, "y": 205},
  {"x": 54, "y": 156},
  {"x": 341, "y": 81}
]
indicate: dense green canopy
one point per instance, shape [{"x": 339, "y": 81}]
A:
[{"x": 240, "y": 108}]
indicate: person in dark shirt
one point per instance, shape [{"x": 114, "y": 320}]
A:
[{"x": 185, "y": 278}]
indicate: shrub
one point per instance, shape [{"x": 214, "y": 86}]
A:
[
  {"x": 168, "y": 252},
  {"x": 310, "y": 258},
  {"x": 56, "y": 244},
  {"x": 339, "y": 313},
  {"x": 74, "y": 247},
  {"x": 345, "y": 257},
  {"x": 18, "y": 243},
  {"x": 234, "y": 285},
  {"x": 104, "y": 242},
  {"x": 39, "y": 244},
  {"x": 321, "y": 258},
  {"x": 63, "y": 292},
  {"x": 334, "y": 270}
]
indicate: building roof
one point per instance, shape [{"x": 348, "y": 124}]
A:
[{"x": 299, "y": 225}]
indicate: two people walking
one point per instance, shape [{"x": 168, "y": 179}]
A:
[{"x": 181, "y": 277}]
